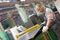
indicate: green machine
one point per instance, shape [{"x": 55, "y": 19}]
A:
[
  {"x": 22, "y": 13},
  {"x": 7, "y": 23},
  {"x": 50, "y": 35},
  {"x": 3, "y": 25},
  {"x": 3, "y": 36}
]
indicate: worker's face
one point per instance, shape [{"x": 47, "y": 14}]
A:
[{"x": 39, "y": 8}]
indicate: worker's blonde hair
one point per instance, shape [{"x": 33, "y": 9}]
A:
[{"x": 39, "y": 7}]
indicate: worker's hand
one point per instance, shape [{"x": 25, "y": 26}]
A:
[{"x": 45, "y": 28}]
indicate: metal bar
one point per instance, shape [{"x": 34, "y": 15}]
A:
[{"x": 27, "y": 30}]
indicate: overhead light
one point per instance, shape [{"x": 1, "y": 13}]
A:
[
  {"x": 6, "y": 1},
  {"x": 22, "y": 0}
]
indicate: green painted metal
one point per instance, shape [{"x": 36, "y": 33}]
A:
[
  {"x": 7, "y": 22},
  {"x": 3, "y": 36},
  {"x": 22, "y": 13},
  {"x": 39, "y": 37},
  {"x": 50, "y": 34}
]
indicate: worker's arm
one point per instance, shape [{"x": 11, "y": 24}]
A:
[
  {"x": 50, "y": 18},
  {"x": 45, "y": 28},
  {"x": 49, "y": 21}
]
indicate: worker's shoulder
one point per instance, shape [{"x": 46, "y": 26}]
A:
[{"x": 48, "y": 10}]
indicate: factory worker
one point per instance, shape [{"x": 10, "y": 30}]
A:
[{"x": 49, "y": 16}]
